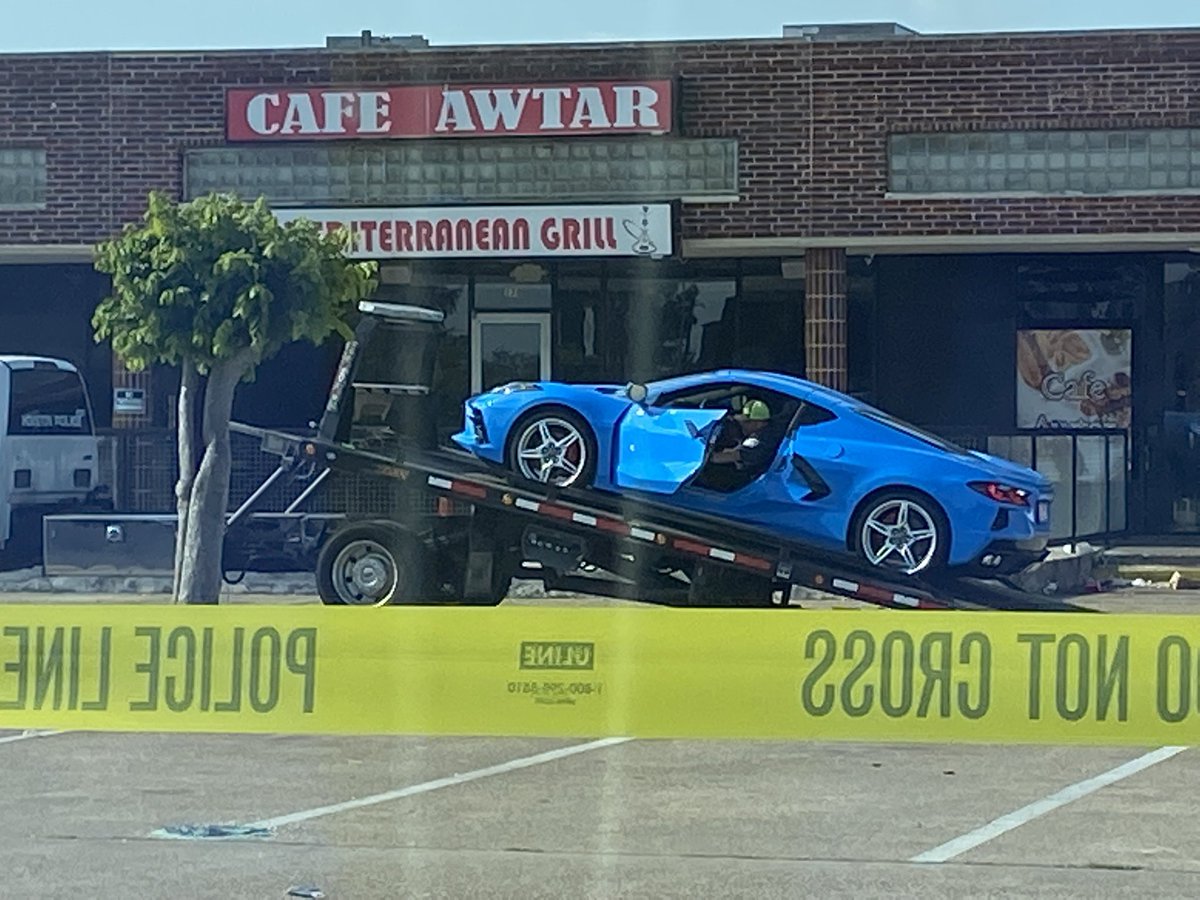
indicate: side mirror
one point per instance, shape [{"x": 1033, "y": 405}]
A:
[{"x": 637, "y": 393}]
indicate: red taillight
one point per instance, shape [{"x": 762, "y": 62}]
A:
[{"x": 1002, "y": 493}]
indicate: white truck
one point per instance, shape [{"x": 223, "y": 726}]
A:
[{"x": 49, "y": 453}]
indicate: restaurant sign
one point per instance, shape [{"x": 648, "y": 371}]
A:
[
  {"x": 499, "y": 231},
  {"x": 448, "y": 110}
]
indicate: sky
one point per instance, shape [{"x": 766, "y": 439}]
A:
[{"x": 46, "y": 25}]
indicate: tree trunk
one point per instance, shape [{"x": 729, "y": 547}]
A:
[
  {"x": 201, "y": 569},
  {"x": 189, "y": 387}
]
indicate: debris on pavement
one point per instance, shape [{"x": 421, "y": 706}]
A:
[
  {"x": 1181, "y": 582},
  {"x": 211, "y": 832},
  {"x": 307, "y": 891}
]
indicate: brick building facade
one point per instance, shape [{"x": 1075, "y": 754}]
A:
[{"x": 887, "y": 212}]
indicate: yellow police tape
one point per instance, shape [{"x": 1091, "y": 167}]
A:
[{"x": 841, "y": 675}]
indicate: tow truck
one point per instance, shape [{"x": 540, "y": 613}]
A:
[{"x": 457, "y": 530}]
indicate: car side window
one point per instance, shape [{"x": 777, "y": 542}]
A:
[{"x": 811, "y": 414}]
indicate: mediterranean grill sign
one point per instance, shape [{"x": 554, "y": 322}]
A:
[
  {"x": 449, "y": 110},
  {"x": 642, "y": 230}
]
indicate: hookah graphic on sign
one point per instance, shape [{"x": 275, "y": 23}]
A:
[{"x": 642, "y": 245}]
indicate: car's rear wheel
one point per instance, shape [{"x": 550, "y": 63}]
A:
[
  {"x": 903, "y": 531},
  {"x": 553, "y": 446}
]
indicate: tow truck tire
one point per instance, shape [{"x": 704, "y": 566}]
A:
[{"x": 372, "y": 564}]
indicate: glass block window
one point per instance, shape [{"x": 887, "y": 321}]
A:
[
  {"x": 411, "y": 173},
  {"x": 1162, "y": 160},
  {"x": 22, "y": 178}
]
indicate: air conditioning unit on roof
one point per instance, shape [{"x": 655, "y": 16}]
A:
[{"x": 848, "y": 31}]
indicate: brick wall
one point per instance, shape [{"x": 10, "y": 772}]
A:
[{"x": 813, "y": 120}]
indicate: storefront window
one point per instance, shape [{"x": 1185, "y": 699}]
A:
[
  {"x": 944, "y": 329},
  {"x": 1090, "y": 288},
  {"x": 767, "y": 325},
  {"x": 1181, "y": 426},
  {"x": 583, "y": 345},
  {"x": 671, "y": 326}
]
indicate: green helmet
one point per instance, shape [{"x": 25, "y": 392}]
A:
[{"x": 756, "y": 411}]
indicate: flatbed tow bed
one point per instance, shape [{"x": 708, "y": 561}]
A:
[{"x": 588, "y": 541}]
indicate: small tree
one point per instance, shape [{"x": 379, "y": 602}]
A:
[{"x": 215, "y": 286}]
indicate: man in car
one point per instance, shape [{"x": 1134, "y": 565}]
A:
[{"x": 744, "y": 451}]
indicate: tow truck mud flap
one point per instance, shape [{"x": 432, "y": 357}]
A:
[{"x": 554, "y": 550}]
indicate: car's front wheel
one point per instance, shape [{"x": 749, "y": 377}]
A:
[
  {"x": 553, "y": 446},
  {"x": 903, "y": 531}
]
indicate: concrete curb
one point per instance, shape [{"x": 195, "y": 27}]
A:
[
  {"x": 32, "y": 581},
  {"x": 1174, "y": 576}
]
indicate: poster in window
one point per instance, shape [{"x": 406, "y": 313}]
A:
[{"x": 1074, "y": 378}]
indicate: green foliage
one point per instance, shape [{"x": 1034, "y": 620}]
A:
[{"x": 202, "y": 281}]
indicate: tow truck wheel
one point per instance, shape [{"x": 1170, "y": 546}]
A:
[
  {"x": 370, "y": 565},
  {"x": 904, "y": 531}
]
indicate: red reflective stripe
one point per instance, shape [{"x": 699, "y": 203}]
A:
[
  {"x": 755, "y": 563},
  {"x": 691, "y": 546},
  {"x": 471, "y": 490},
  {"x": 867, "y": 592},
  {"x": 558, "y": 512},
  {"x": 612, "y": 525},
  {"x": 874, "y": 593}
]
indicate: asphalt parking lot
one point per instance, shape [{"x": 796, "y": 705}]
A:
[
  {"x": 631, "y": 819},
  {"x": 456, "y": 817}
]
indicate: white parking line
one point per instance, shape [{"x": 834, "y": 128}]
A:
[
  {"x": 26, "y": 735},
  {"x": 425, "y": 787},
  {"x": 1017, "y": 818}
]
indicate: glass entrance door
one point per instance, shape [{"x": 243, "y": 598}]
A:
[
  {"x": 509, "y": 347},
  {"x": 1177, "y": 468}
]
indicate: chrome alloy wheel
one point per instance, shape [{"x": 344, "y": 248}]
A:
[
  {"x": 900, "y": 534},
  {"x": 551, "y": 451}
]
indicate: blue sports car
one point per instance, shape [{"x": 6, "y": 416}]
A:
[{"x": 777, "y": 452}]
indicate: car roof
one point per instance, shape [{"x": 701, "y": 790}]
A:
[
  {"x": 787, "y": 384},
  {"x": 28, "y": 362}
]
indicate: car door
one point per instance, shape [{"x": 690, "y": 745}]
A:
[
  {"x": 801, "y": 495},
  {"x": 659, "y": 449}
]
